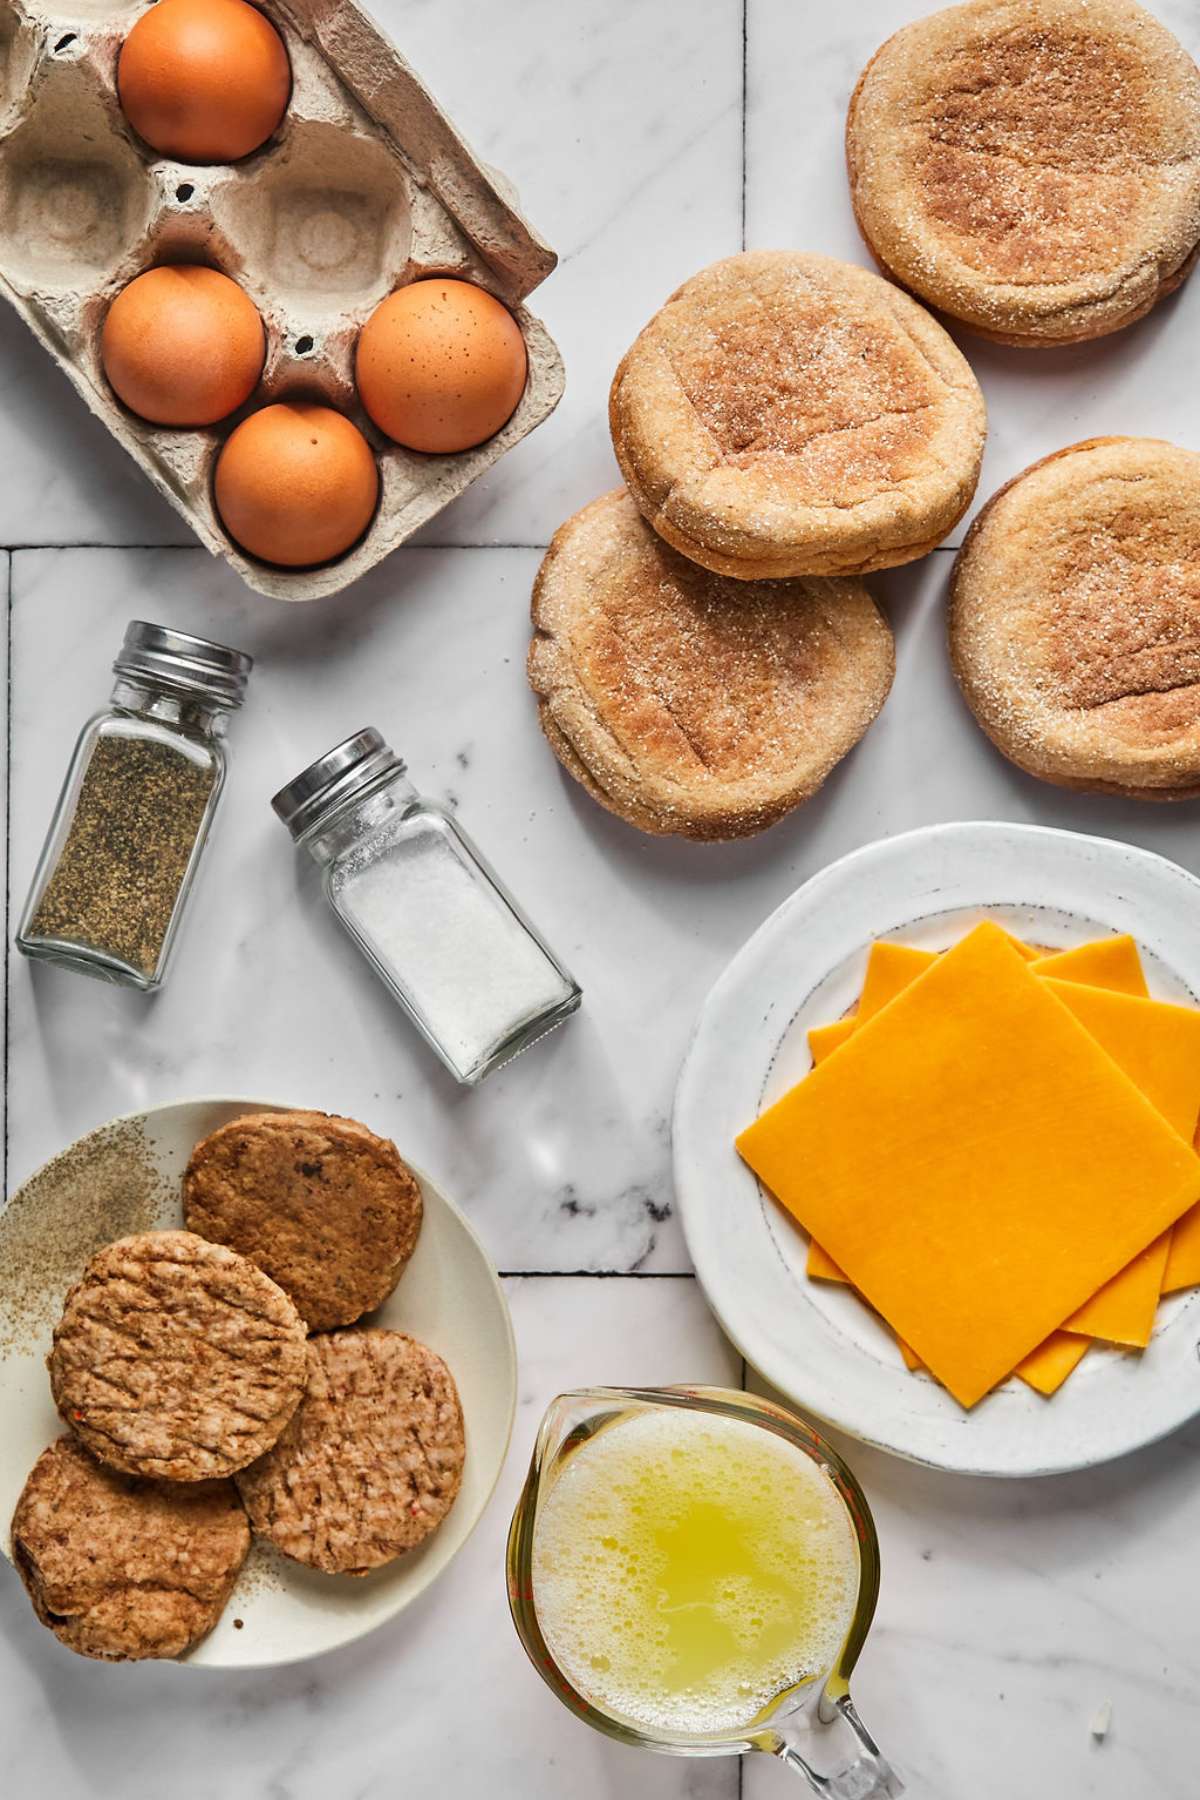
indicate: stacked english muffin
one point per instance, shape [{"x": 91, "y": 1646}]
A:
[{"x": 705, "y": 650}]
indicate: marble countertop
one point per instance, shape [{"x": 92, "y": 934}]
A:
[{"x": 646, "y": 140}]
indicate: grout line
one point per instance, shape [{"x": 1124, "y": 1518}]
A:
[
  {"x": 741, "y": 1767},
  {"x": 597, "y": 1274},
  {"x": 745, "y": 65},
  {"x": 8, "y": 732},
  {"x": 95, "y": 544},
  {"x": 118, "y": 549}
]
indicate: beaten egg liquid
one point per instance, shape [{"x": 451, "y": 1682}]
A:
[{"x": 689, "y": 1567}]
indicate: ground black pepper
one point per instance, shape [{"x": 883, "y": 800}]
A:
[
  {"x": 140, "y": 808},
  {"x": 106, "y": 1186}
]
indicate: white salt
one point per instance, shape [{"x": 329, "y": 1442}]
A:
[{"x": 446, "y": 940}]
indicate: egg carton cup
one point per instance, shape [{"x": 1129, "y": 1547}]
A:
[{"x": 365, "y": 186}]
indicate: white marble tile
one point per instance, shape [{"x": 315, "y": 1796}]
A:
[
  {"x": 621, "y": 129},
  {"x": 803, "y": 62},
  {"x": 1010, "y": 1612},
  {"x": 620, "y": 125},
  {"x": 562, "y": 1159},
  {"x": 441, "y": 1702},
  {"x": 5, "y": 572},
  {"x": 66, "y": 479}
]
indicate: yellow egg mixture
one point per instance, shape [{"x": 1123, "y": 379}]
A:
[{"x": 687, "y": 1568}]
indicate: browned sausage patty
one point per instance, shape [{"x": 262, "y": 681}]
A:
[
  {"x": 176, "y": 1358},
  {"x": 325, "y": 1207},
  {"x": 372, "y": 1460},
  {"x": 121, "y": 1569}
]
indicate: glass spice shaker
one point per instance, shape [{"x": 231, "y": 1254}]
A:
[
  {"x": 430, "y": 916},
  {"x": 135, "y": 810}
]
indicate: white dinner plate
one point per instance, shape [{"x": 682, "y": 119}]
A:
[
  {"x": 814, "y": 1340},
  {"x": 449, "y": 1297}
]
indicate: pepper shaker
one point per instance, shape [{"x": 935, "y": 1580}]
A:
[
  {"x": 135, "y": 810},
  {"x": 435, "y": 923}
]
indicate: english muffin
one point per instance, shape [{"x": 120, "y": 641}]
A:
[
  {"x": 176, "y": 1358},
  {"x": 786, "y": 414},
  {"x": 1031, "y": 166},
  {"x": 372, "y": 1461},
  {"x": 123, "y": 1569},
  {"x": 323, "y": 1206},
  {"x": 688, "y": 702},
  {"x": 1075, "y": 618}
]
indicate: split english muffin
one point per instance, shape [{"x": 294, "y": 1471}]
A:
[
  {"x": 684, "y": 701},
  {"x": 1075, "y": 618},
  {"x": 786, "y": 414},
  {"x": 1031, "y": 167}
]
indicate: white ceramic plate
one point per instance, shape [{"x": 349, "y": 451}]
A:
[
  {"x": 449, "y": 1297},
  {"x": 813, "y": 1340}
]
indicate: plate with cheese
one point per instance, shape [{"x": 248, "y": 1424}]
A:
[{"x": 935, "y": 1148}]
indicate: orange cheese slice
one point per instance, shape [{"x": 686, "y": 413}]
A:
[
  {"x": 823, "y": 1040},
  {"x": 921, "y": 1154},
  {"x": 1158, "y": 1047},
  {"x": 890, "y": 968},
  {"x": 1046, "y": 1368},
  {"x": 1104, "y": 962}
]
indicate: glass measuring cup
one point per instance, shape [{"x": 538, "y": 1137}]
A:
[{"x": 811, "y": 1724}]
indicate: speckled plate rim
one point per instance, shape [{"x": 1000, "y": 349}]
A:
[
  {"x": 815, "y": 1342},
  {"x": 449, "y": 1297}
]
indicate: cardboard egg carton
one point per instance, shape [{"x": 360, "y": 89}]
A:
[{"x": 365, "y": 186}]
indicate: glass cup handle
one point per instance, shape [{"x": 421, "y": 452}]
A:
[{"x": 837, "y": 1734}]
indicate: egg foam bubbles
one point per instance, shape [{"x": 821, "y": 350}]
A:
[{"x": 688, "y": 1568}]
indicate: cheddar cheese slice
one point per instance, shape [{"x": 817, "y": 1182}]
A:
[
  {"x": 1123, "y": 1311},
  {"x": 975, "y": 1163},
  {"x": 1104, "y": 962},
  {"x": 1158, "y": 1047},
  {"x": 890, "y": 968},
  {"x": 1046, "y": 1368},
  {"x": 823, "y": 1040}
]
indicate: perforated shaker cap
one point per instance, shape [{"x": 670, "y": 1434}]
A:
[
  {"x": 193, "y": 665},
  {"x": 348, "y": 769}
]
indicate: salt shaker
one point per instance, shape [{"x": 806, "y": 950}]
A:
[
  {"x": 428, "y": 913},
  {"x": 135, "y": 810}
]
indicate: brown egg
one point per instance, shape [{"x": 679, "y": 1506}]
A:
[
  {"x": 440, "y": 365},
  {"x": 204, "y": 80},
  {"x": 296, "y": 484},
  {"x": 183, "y": 345}
]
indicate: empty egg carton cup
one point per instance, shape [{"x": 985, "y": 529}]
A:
[{"x": 365, "y": 186}]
